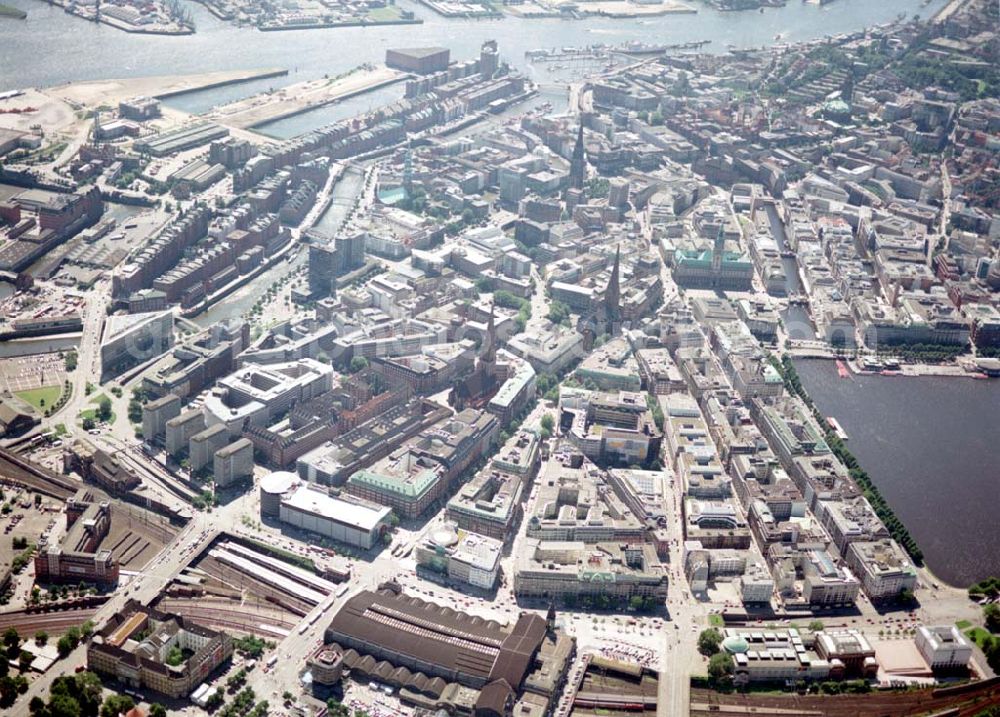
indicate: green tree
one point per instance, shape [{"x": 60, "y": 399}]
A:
[
  {"x": 157, "y": 710},
  {"x": 116, "y": 705},
  {"x": 41, "y": 637},
  {"x": 88, "y": 692},
  {"x": 559, "y": 313},
  {"x": 8, "y": 691},
  {"x": 64, "y": 705},
  {"x": 709, "y": 641},
  {"x": 720, "y": 666},
  {"x": 104, "y": 408},
  {"x": 991, "y": 648},
  {"x": 816, "y": 626},
  {"x": 337, "y": 708},
  {"x": 64, "y": 646},
  {"x": 358, "y": 363},
  {"x": 175, "y": 656},
  {"x": 216, "y": 699},
  {"x": 10, "y": 638},
  {"x": 991, "y": 616},
  {"x": 88, "y": 424}
]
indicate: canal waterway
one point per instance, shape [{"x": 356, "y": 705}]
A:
[
  {"x": 240, "y": 301},
  {"x": 798, "y": 323},
  {"x": 930, "y": 445}
]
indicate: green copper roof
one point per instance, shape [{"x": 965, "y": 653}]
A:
[{"x": 411, "y": 486}]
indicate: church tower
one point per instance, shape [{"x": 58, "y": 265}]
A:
[
  {"x": 488, "y": 358},
  {"x": 612, "y": 294},
  {"x": 847, "y": 89},
  {"x": 720, "y": 247}
]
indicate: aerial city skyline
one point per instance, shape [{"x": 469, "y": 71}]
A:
[{"x": 396, "y": 358}]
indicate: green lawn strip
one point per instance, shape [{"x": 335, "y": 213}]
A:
[
  {"x": 40, "y": 398},
  {"x": 978, "y": 635}
]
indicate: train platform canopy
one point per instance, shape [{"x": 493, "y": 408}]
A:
[{"x": 443, "y": 642}]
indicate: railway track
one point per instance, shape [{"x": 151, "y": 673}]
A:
[
  {"x": 19, "y": 471},
  {"x": 234, "y": 618},
  {"x": 973, "y": 699},
  {"x": 27, "y": 624},
  {"x": 192, "y": 606}
]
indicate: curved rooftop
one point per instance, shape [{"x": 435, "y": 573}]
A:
[{"x": 278, "y": 483}]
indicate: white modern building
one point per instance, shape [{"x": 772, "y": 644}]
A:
[
  {"x": 756, "y": 585},
  {"x": 353, "y": 522},
  {"x": 944, "y": 647},
  {"x": 882, "y": 567},
  {"x": 459, "y": 555},
  {"x": 256, "y": 394}
]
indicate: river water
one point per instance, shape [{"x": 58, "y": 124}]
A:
[
  {"x": 51, "y": 47},
  {"x": 930, "y": 445}
]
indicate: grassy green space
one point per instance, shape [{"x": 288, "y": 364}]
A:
[
  {"x": 8, "y": 11},
  {"x": 963, "y": 624},
  {"x": 91, "y": 413},
  {"x": 381, "y": 14},
  {"x": 40, "y": 398},
  {"x": 978, "y": 635},
  {"x": 716, "y": 621}
]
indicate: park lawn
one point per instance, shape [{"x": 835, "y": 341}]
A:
[
  {"x": 41, "y": 398},
  {"x": 963, "y": 624},
  {"x": 978, "y": 635},
  {"x": 91, "y": 413},
  {"x": 716, "y": 621},
  {"x": 381, "y": 14}
]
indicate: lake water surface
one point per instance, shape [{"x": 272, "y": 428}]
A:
[{"x": 931, "y": 445}]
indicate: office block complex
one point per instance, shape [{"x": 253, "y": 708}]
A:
[
  {"x": 79, "y": 557},
  {"x": 135, "y": 644}
]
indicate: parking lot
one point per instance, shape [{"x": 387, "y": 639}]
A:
[{"x": 23, "y": 373}]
